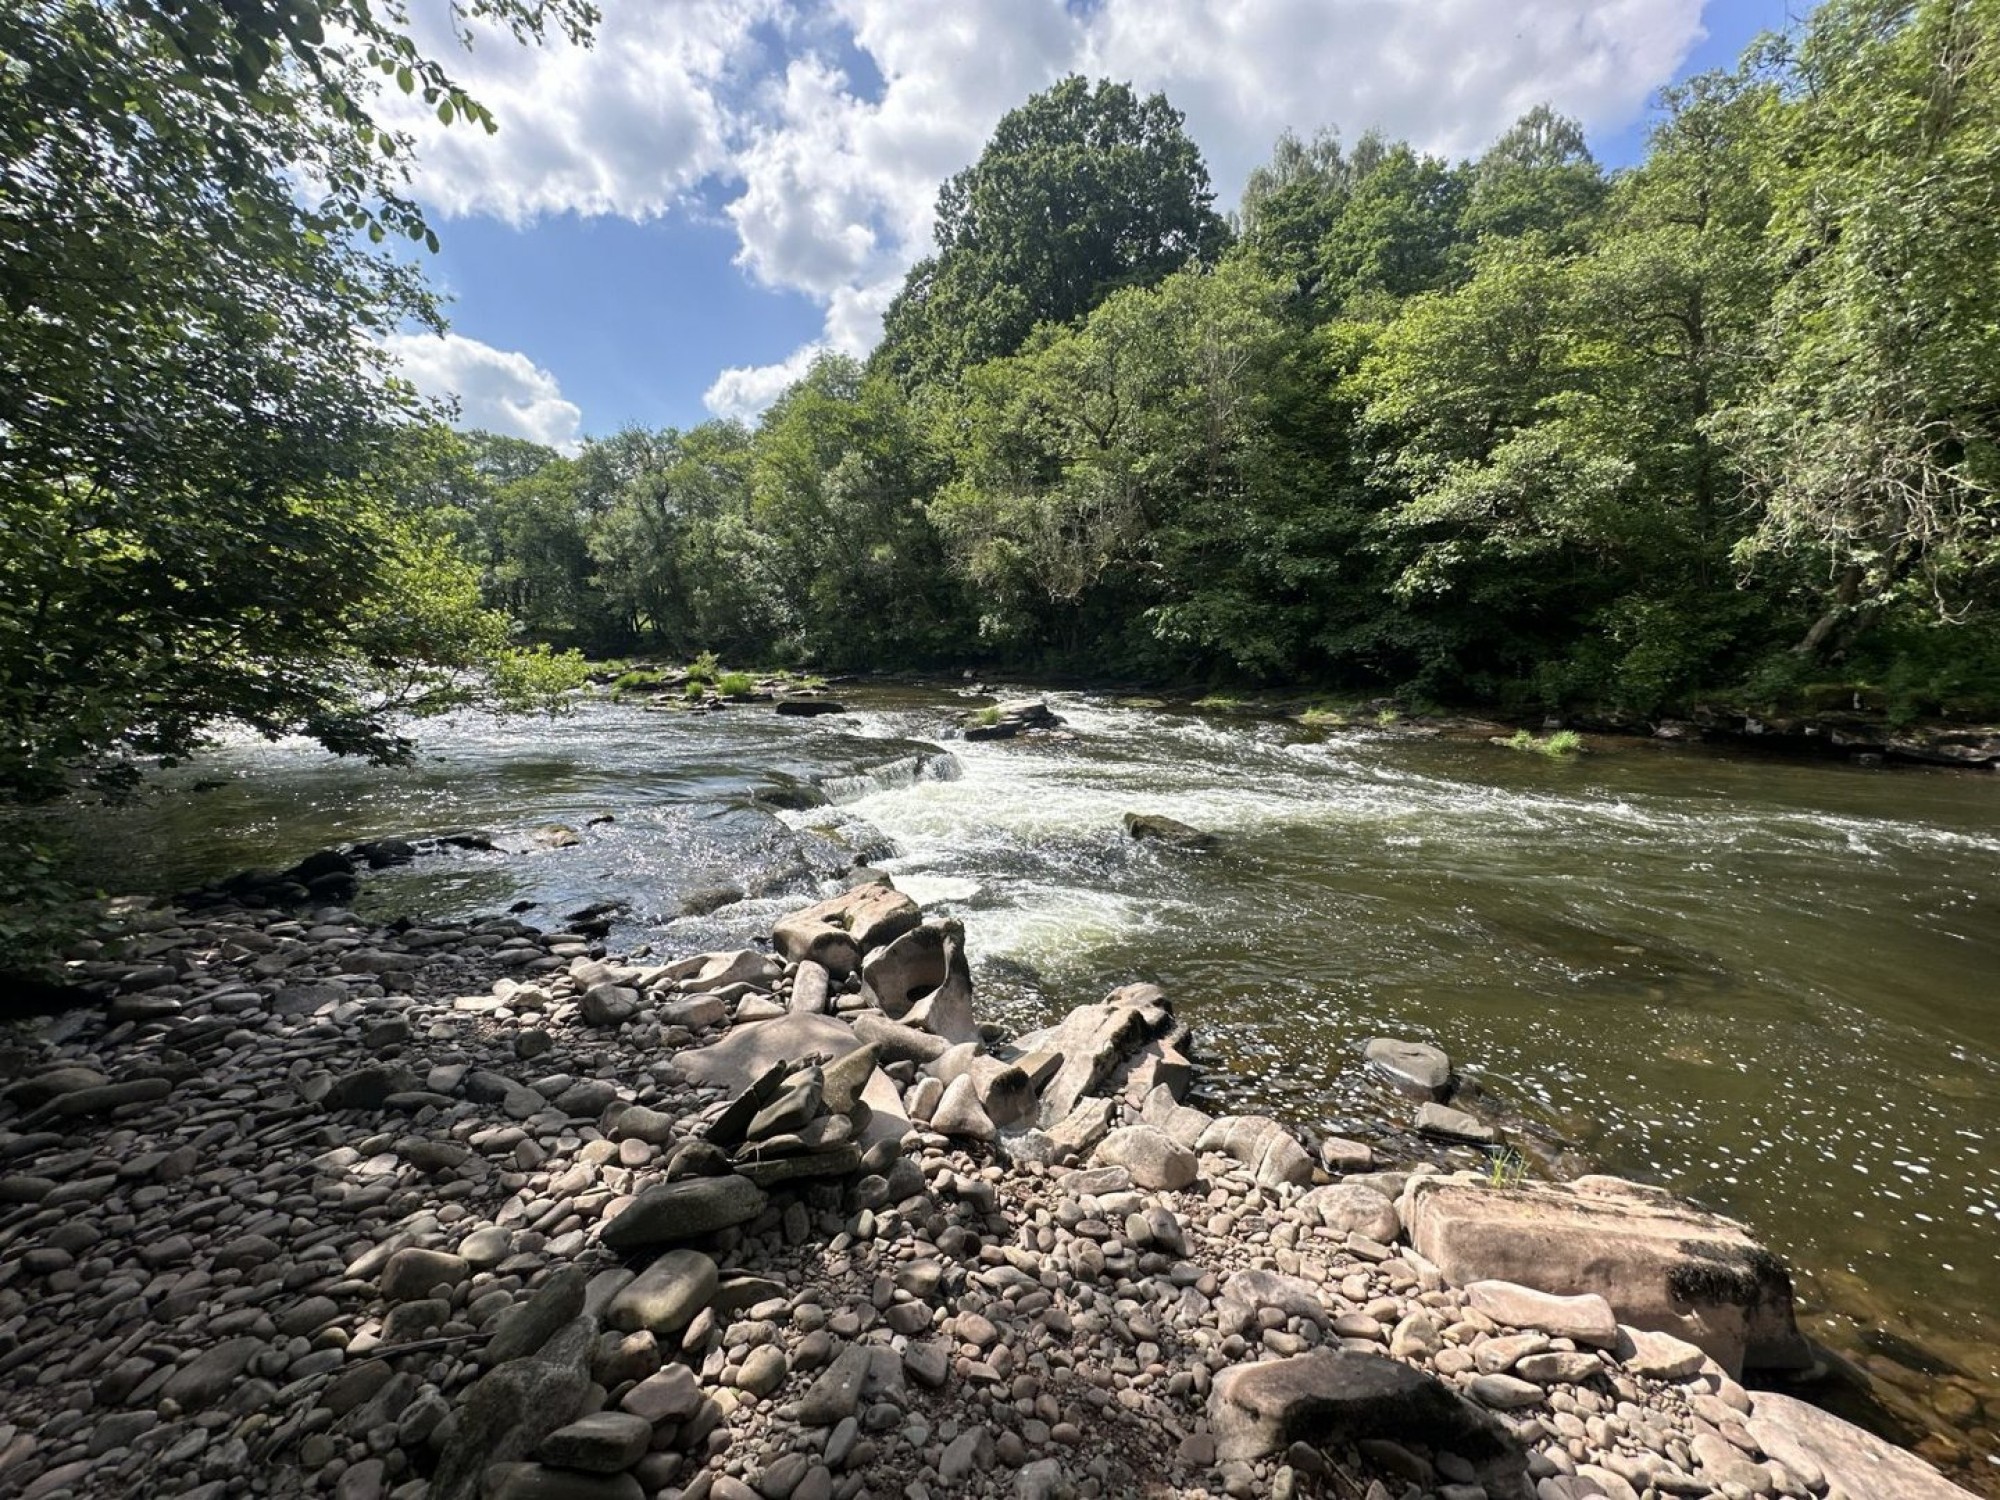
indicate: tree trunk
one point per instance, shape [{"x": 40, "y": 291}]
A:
[{"x": 1844, "y": 595}]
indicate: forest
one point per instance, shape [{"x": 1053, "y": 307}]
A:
[{"x": 1515, "y": 431}]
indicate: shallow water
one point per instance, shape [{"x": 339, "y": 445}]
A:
[{"x": 1770, "y": 986}]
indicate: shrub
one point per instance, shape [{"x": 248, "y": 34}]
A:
[
  {"x": 1562, "y": 743},
  {"x": 734, "y": 684}
]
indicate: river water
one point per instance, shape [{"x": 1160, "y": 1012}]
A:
[{"x": 1773, "y": 987}]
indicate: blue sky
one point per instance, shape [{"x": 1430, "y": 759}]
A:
[{"x": 670, "y": 224}]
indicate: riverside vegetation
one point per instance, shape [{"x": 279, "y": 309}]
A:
[{"x": 1513, "y": 430}]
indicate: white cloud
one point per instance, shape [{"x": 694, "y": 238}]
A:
[
  {"x": 743, "y": 391},
  {"x": 626, "y": 127},
  {"x": 498, "y": 390},
  {"x": 830, "y": 187}
]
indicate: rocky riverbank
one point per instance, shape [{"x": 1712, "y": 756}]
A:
[{"x": 314, "y": 1206}]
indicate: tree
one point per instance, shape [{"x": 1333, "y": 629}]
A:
[
  {"x": 838, "y": 480},
  {"x": 1539, "y": 177},
  {"x": 198, "y": 436},
  {"x": 1082, "y": 190},
  {"x": 1874, "y": 442}
]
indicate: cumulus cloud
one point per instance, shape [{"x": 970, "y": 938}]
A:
[
  {"x": 498, "y": 390},
  {"x": 829, "y": 183},
  {"x": 743, "y": 391}
]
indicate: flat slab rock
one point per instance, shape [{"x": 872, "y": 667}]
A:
[
  {"x": 1334, "y": 1396},
  {"x": 1662, "y": 1265},
  {"x": 1857, "y": 1464},
  {"x": 751, "y": 1050},
  {"x": 1416, "y": 1067}
]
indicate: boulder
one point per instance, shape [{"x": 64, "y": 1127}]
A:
[
  {"x": 1584, "y": 1319},
  {"x": 1096, "y": 1042},
  {"x": 749, "y": 1053},
  {"x": 511, "y": 1409},
  {"x": 837, "y": 932},
  {"x": 665, "y": 1297},
  {"x": 1002, "y": 1089},
  {"x": 1353, "y": 1208},
  {"x": 1661, "y": 1265},
  {"x": 1332, "y": 1396},
  {"x": 1855, "y": 1463},
  {"x": 671, "y": 1212},
  {"x": 1153, "y": 1158},
  {"x": 1454, "y": 1125},
  {"x": 1170, "y": 831},
  {"x": 808, "y": 708},
  {"x": 959, "y": 1113},
  {"x": 1414, "y": 1067},
  {"x": 895, "y": 977},
  {"x": 1261, "y": 1144},
  {"x": 947, "y": 1010}
]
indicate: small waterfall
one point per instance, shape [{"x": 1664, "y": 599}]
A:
[{"x": 904, "y": 771}]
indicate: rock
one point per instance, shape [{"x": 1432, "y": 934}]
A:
[
  {"x": 1657, "y": 1356},
  {"x": 837, "y": 932},
  {"x": 1454, "y": 1125},
  {"x": 811, "y": 989},
  {"x": 605, "y": 1442},
  {"x": 959, "y": 1113},
  {"x": 1415, "y": 1067},
  {"x": 368, "y": 1088},
  {"x": 947, "y": 1010},
  {"x": 748, "y": 1053},
  {"x": 609, "y": 1005},
  {"x": 969, "y": 1453},
  {"x": 665, "y": 1297},
  {"x": 1340, "y": 1155},
  {"x": 837, "y": 1391},
  {"x": 1855, "y": 1463},
  {"x": 1586, "y": 1318},
  {"x": 1095, "y": 1042},
  {"x": 1353, "y": 1208},
  {"x": 412, "y": 1272},
  {"x": 895, "y": 1042},
  {"x": 526, "y": 1326},
  {"x": 674, "y": 1211},
  {"x": 508, "y": 1411},
  {"x": 808, "y": 708},
  {"x": 764, "y": 1370},
  {"x": 895, "y": 977},
  {"x": 1661, "y": 1265},
  {"x": 672, "y": 1395},
  {"x": 1006, "y": 720},
  {"x": 196, "y": 1385},
  {"x": 1261, "y": 1144},
  {"x": 1505, "y": 1392},
  {"x": 1170, "y": 831},
  {"x": 1154, "y": 1160},
  {"x": 1333, "y": 1396}
]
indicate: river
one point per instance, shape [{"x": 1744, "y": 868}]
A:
[{"x": 1770, "y": 986}]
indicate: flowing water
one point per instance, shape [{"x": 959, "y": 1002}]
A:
[{"x": 1770, "y": 986}]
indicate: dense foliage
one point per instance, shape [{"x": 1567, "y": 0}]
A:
[
  {"x": 1512, "y": 429},
  {"x": 205, "y": 469}
]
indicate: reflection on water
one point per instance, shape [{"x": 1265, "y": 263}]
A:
[{"x": 1767, "y": 985}]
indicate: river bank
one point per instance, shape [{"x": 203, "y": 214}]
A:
[{"x": 319, "y": 1204}]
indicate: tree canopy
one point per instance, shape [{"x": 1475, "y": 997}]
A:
[
  {"x": 1082, "y": 190},
  {"x": 205, "y": 461}
]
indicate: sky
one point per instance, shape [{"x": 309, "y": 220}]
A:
[{"x": 669, "y": 225}]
